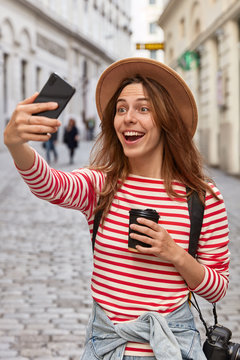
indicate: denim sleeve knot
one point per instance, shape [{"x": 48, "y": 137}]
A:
[
  {"x": 152, "y": 328},
  {"x": 109, "y": 340}
]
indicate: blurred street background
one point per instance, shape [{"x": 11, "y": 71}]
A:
[{"x": 45, "y": 251}]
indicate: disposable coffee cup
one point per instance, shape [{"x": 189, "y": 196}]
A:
[{"x": 150, "y": 214}]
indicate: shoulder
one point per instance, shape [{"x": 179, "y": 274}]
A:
[
  {"x": 213, "y": 204},
  {"x": 216, "y": 191}
]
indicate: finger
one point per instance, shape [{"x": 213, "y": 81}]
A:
[
  {"x": 35, "y": 137},
  {"x": 148, "y": 223},
  {"x": 43, "y": 120},
  {"x": 35, "y": 108},
  {"x": 37, "y": 129},
  {"x": 30, "y": 99},
  {"x": 145, "y": 239},
  {"x": 143, "y": 229},
  {"x": 145, "y": 250}
]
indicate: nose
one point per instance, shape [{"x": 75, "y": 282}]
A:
[{"x": 130, "y": 116}]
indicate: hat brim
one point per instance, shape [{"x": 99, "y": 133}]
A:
[{"x": 182, "y": 96}]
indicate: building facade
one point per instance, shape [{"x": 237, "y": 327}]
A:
[
  {"x": 77, "y": 39},
  {"x": 202, "y": 43},
  {"x": 145, "y": 29}
]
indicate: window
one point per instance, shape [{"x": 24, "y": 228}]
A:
[
  {"x": 103, "y": 10},
  {"x": 197, "y": 27},
  {"x": 171, "y": 53},
  {"x": 5, "y": 82},
  {"x": 85, "y": 69},
  {"x": 153, "y": 54},
  {"x": 24, "y": 78},
  {"x": 153, "y": 28},
  {"x": 182, "y": 27},
  {"x": 38, "y": 78}
]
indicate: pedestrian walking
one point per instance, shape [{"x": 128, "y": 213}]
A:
[
  {"x": 71, "y": 138},
  {"x": 50, "y": 146},
  {"x": 144, "y": 157}
]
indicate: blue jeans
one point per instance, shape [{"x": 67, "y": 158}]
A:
[
  {"x": 50, "y": 146},
  {"x": 103, "y": 343}
]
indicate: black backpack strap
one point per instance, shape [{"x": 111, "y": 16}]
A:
[
  {"x": 97, "y": 219},
  {"x": 196, "y": 211}
]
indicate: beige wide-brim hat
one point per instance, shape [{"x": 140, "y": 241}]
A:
[{"x": 182, "y": 96}]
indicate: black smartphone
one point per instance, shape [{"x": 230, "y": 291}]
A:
[{"x": 58, "y": 90}]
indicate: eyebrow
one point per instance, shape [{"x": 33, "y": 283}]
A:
[{"x": 139, "y": 99}]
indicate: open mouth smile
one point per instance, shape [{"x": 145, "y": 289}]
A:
[{"x": 132, "y": 136}]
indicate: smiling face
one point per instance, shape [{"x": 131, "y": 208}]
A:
[{"x": 137, "y": 131}]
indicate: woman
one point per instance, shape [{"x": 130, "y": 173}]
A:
[
  {"x": 144, "y": 158},
  {"x": 71, "y": 138}
]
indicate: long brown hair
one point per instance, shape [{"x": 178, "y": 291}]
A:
[{"x": 181, "y": 159}]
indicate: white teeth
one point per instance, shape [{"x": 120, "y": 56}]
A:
[{"x": 132, "y": 133}]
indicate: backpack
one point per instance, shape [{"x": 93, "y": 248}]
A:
[{"x": 196, "y": 210}]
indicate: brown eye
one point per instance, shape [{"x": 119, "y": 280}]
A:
[
  {"x": 144, "y": 109},
  {"x": 121, "y": 109}
]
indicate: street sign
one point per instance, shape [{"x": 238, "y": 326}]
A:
[
  {"x": 150, "y": 46},
  {"x": 189, "y": 60}
]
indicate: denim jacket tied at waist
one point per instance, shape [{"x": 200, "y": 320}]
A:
[{"x": 170, "y": 337}]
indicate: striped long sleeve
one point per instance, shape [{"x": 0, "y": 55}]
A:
[
  {"x": 213, "y": 250},
  {"x": 75, "y": 190}
]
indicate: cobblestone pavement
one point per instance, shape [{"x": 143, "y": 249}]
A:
[{"x": 45, "y": 268}]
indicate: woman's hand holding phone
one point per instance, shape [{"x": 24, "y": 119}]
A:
[
  {"x": 35, "y": 119},
  {"x": 24, "y": 126}
]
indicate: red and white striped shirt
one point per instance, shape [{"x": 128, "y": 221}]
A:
[{"x": 126, "y": 284}]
